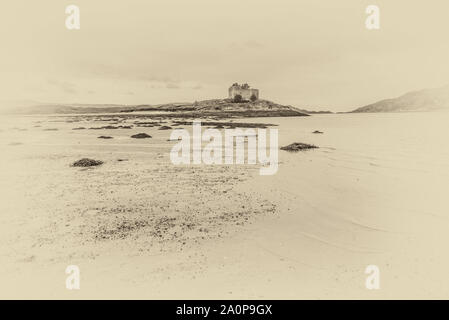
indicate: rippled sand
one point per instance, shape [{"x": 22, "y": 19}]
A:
[{"x": 373, "y": 193}]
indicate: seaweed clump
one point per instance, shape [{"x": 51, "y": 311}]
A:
[
  {"x": 86, "y": 162},
  {"x": 140, "y": 136},
  {"x": 298, "y": 146}
]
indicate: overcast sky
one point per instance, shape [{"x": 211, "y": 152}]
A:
[{"x": 310, "y": 53}]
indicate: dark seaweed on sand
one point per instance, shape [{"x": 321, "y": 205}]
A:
[
  {"x": 110, "y": 127},
  {"x": 86, "y": 162},
  {"x": 298, "y": 146},
  {"x": 231, "y": 125},
  {"x": 140, "y": 136}
]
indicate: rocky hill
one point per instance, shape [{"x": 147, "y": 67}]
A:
[
  {"x": 218, "y": 108},
  {"x": 224, "y": 108},
  {"x": 422, "y": 100}
]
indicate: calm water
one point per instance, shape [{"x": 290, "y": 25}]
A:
[
  {"x": 375, "y": 192},
  {"x": 401, "y": 159}
]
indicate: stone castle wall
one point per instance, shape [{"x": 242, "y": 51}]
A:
[{"x": 245, "y": 93}]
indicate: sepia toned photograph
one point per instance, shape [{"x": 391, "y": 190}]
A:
[{"x": 224, "y": 150}]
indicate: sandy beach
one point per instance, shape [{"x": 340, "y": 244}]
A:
[
  {"x": 224, "y": 150},
  {"x": 140, "y": 227}
]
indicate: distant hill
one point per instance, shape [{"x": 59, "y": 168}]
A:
[
  {"x": 422, "y": 100},
  {"x": 66, "y": 108}
]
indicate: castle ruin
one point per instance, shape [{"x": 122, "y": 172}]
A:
[{"x": 244, "y": 91}]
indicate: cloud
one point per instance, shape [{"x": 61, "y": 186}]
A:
[
  {"x": 250, "y": 44},
  {"x": 64, "y": 86},
  {"x": 172, "y": 86},
  {"x": 253, "y": 44}
]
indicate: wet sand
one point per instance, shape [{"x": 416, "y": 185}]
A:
[
  {"x": 139, "y": 227},
  {"x": 135, "y": 204}
]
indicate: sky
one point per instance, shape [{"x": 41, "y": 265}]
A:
[{"x": 315, "y": 54}]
